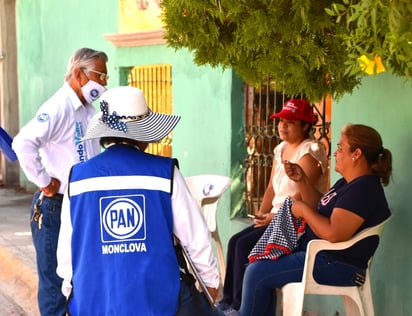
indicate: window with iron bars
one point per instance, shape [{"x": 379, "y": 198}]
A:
[
  {"x": 262, "y": 137},
  {"x": 156, "y": 83}
]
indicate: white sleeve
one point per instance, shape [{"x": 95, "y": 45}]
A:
[
  {"x": 32, "y": 138},
  {"x": 191, "y": 229},
  {"x": 64, "y": 252}
]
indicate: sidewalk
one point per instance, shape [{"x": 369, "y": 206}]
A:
[{"x": 18, "y": 277}]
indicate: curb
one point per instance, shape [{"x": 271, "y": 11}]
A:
[{"x": 19, "y": 281}]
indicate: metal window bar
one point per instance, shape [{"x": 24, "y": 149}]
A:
[{"x": 156, "y": 83}]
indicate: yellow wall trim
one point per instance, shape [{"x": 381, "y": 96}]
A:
[{"x": 137, "y": 38}]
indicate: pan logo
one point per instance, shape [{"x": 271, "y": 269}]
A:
[{"x": 122, "y": 218}]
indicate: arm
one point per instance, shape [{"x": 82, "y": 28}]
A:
[
  {"x": 64, "y": 258},
  {"x": 35, "y": 136},
  {"x": 191, "y": 229},
  {"x": 266, "y": 205},
  {"x": 307, "y": 190},
  {"x": 311, "y": 165},
  {"x": 26, "y": 145},
  {"x": 330, "y": 229},
  {"x": 269, "y": 194}
]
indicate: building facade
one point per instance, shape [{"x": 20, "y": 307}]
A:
[{"x": 210, "y": 138}]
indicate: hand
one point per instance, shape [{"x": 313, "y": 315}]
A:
[
  {"x": 263, "y": 219},
  {"x": 298, "y": 208},
  {"x": 293, "y": 208},
  {"x": 52, "y": 188},
  {"x": 213, "y": 292},
  {"x": 293, "y": 171}
]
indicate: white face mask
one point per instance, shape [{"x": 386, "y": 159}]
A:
[{"x": 92, "y": 90}]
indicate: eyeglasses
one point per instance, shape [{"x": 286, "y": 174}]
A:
[{"x": 102, "y": 75}]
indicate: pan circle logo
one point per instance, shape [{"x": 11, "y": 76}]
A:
[{"x": 122, "y": 218}]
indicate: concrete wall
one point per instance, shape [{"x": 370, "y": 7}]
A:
[
  {"x": 208, "y": 139},
  {"x": 210, "y": 136},
  {"x": 47, "y": 33},
  {"x": 384, "y": 102}
]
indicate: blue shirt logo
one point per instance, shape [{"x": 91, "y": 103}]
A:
[{"x": 43, "y": 117}]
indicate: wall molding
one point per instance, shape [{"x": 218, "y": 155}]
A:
[{"x": 137, "y": 38}]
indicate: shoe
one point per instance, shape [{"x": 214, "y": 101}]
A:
[
  {"x": 223, "y": 306},
  {"x": 231, "y": 312}
]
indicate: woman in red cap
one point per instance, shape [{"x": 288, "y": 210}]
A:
[{"x": 295, "y": 125}]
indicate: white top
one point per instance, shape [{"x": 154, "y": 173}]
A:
[
  {"x": 49, "y": 144},
  {"x": 282, "y": 185},
  {"x": 189, "y": 226}
]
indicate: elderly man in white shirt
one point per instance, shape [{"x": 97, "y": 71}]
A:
[{"x": 46, "y": 147}]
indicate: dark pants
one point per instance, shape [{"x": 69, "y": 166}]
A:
[
  {"x": 238, "y": 250},
  {"x": 50, "y": 298},
  {"x": 263, "y": 277},
  {"x": 193, "y": 303}
]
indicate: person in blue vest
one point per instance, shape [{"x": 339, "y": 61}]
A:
[{"x": 120, "y": 215}]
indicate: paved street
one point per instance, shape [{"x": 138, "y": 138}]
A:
[{"x": 9, "y": 307}]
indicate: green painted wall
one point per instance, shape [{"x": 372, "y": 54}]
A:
[
  {"x": 384, "y": 102},
  {"x": 210, "y": 136},
  {"x": 47, "y": 33},
  {"x": 202, "y": 96}
]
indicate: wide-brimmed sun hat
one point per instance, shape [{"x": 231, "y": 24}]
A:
[
  {"x": 296, "y": 109},
  {"x": 124, "y": 113}
]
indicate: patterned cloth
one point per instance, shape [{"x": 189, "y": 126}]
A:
[{"x": 281, "y": 235}]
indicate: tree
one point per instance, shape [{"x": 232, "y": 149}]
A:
[{"x": 309, "y": 48}]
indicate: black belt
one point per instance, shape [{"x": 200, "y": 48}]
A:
[{"x": 56, "y": 197}]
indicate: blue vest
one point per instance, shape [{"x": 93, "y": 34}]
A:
[{"x": 122, "y": 252}]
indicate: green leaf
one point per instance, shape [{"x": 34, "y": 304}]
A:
[
  {"x": 330, "y": 12},
  {"x": 297, "y": 43}
]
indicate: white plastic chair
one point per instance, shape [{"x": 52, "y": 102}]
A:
[
  {"x": 207, "y": 190},
  {"x": 356, "y": 300}
]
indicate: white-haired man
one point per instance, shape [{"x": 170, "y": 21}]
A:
[{"x": 46, "y": 147}]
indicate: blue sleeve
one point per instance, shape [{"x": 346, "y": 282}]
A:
[{"x": 366, "y": 198}]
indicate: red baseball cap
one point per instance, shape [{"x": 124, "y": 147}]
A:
[{"x": 296, "y": 109}]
